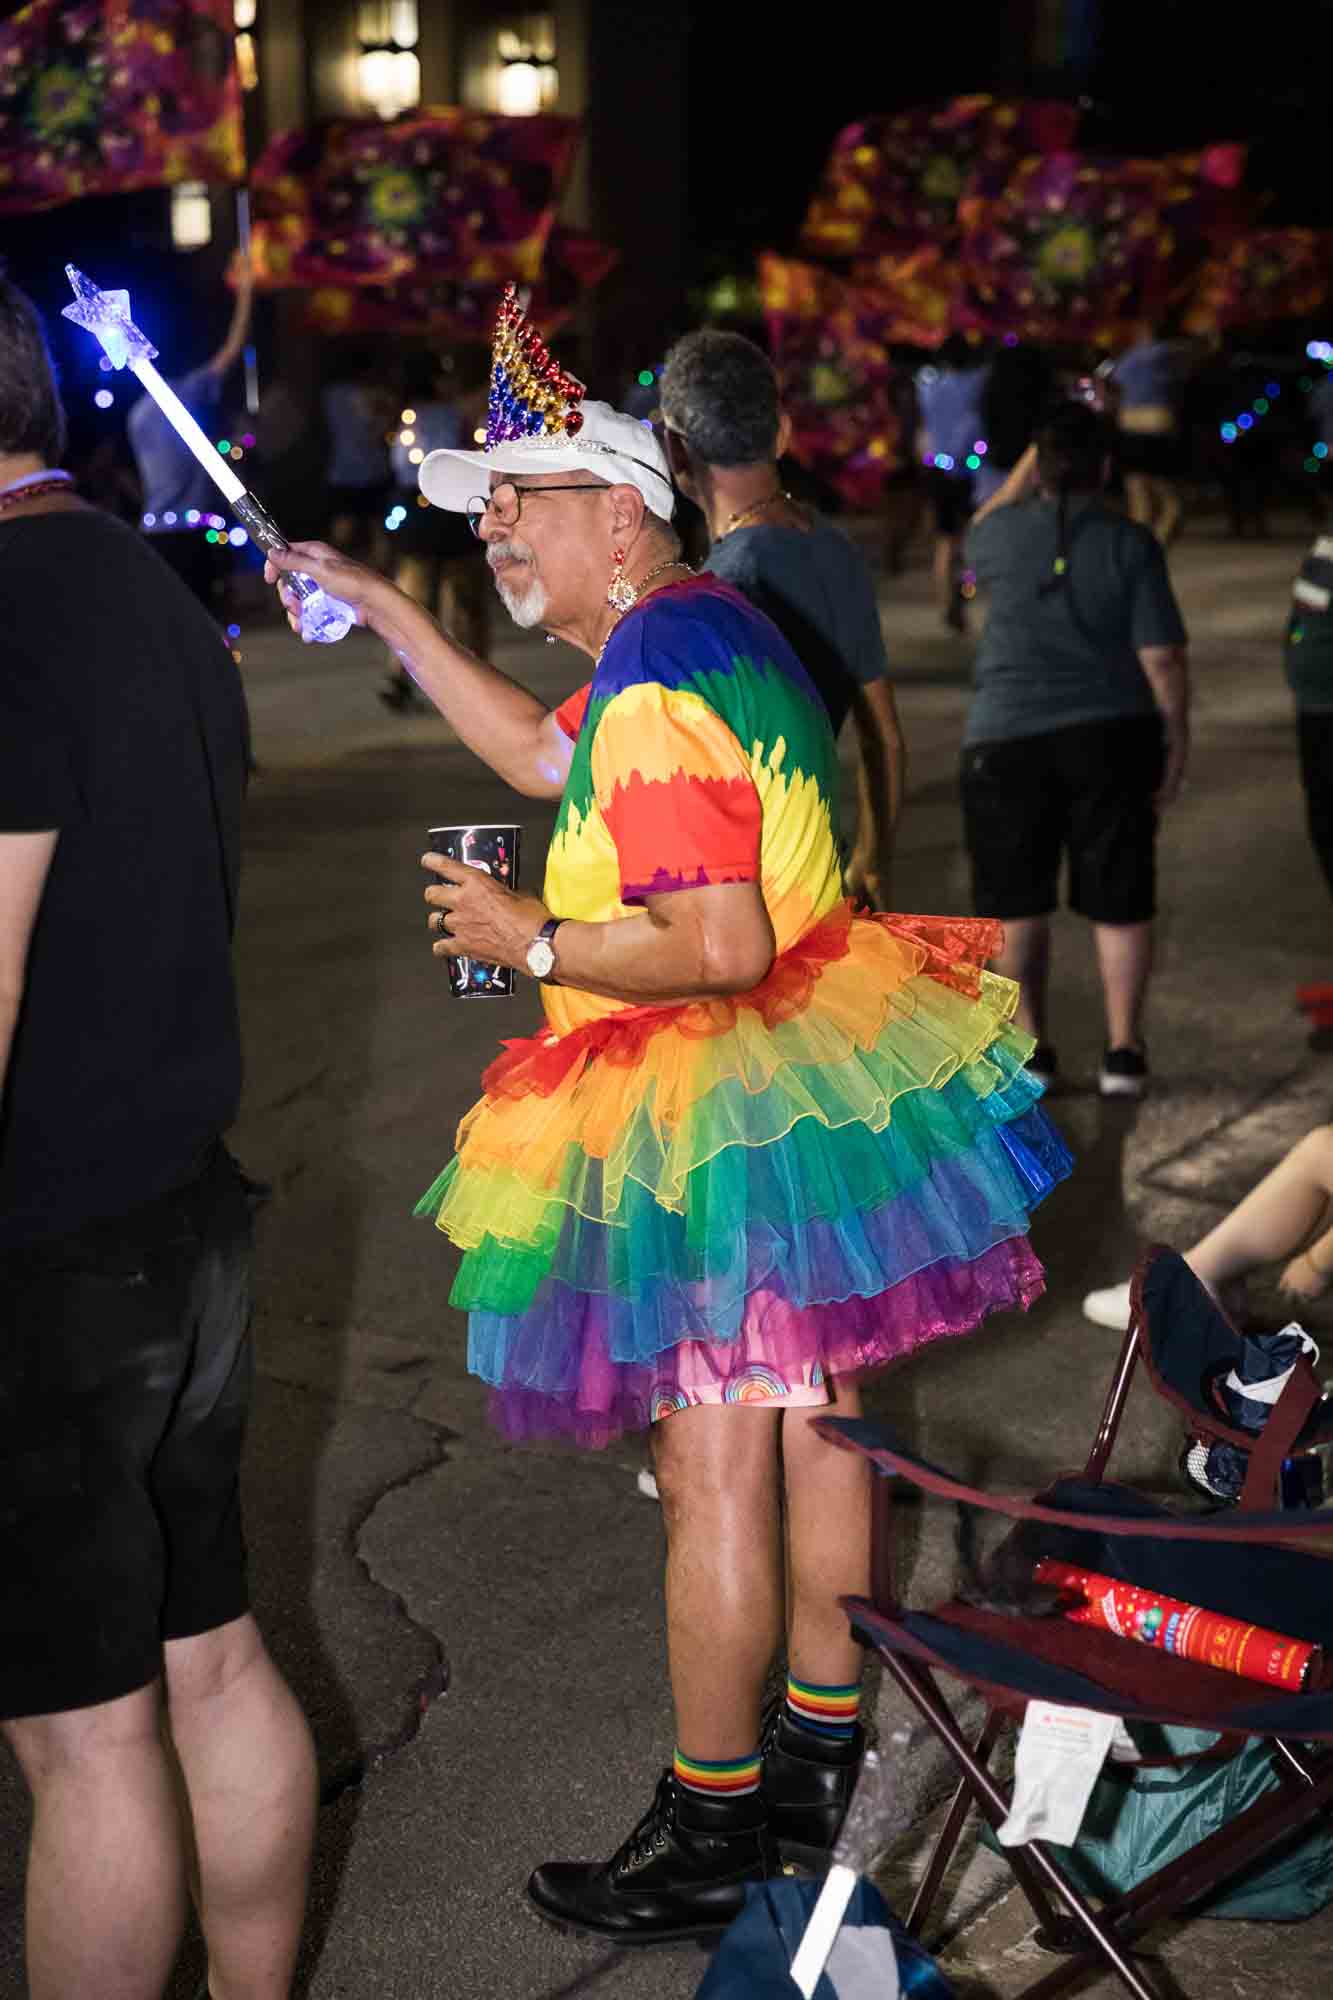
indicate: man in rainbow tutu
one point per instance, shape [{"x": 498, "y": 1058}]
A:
[{"x": 763, "y": 1146}]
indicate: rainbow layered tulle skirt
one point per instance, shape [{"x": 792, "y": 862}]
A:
[{"x": 712, "y": 1201}]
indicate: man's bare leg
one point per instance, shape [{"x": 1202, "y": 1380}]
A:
[
  {"x": 828, "y": 1544},
  {"x": 249, "y": 1768},
  {"x": 106, "y": 1878},
  {"x": 1124, "y": 959},
  {"x": 1139, "y": 498},
  {"x": 1026, "y": 957},
  {"x": 944, "y": 572},
  {"x": 1170, "y": 510},
  {"x": 717, "y": 1474}
]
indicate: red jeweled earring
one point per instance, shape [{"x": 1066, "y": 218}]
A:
[{"x": 620, "y": 592}]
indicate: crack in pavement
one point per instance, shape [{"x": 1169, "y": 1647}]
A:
[{"x": 434, "y": 1681}]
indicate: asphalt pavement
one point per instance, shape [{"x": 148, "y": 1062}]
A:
[{"x": 476, "y": 1631}]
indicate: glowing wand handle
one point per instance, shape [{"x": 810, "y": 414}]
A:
[
  {"x": 324, "y": 619},
  {"x": 189, "y": 432}
]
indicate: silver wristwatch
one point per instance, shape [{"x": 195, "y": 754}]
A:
[{"x": 541, "y": 952}]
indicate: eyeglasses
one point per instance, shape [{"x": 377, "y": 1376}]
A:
[{"x": 507, "y": 500}]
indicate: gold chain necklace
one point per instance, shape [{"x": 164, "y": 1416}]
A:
[
  {"x": 676, "y": 562},
  {"x": 748, "y": 513}
]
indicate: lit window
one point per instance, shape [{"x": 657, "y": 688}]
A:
[
  {"x": 521, "y": 73},
  {"x": 191, "y": 215},
  {"x": 388, "y": 70}
]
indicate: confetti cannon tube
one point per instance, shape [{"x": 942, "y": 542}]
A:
[
  {"x": 106, "y": 315},
  {"x": 1208, "y": 1637}
]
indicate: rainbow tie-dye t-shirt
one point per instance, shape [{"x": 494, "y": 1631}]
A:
[{"x": 702, "y": 754}]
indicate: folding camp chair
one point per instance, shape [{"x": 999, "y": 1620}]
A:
[{"x": 1183, "y": 1341}]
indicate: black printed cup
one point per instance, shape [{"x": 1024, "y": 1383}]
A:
[{"x": 493, "y": 849}]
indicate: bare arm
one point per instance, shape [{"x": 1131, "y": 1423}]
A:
[
  {"x": 691, "y": 944},
  {"x": 1020, "y": 483},
  {"x": 230, "y": 351},
  {"x": 1167, "y": 669},
  {"x": 880, "y": 764},
  {"x": 25, "y": 860},
  {"x": 507, "y": 727}
]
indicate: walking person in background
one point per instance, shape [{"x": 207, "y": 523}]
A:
[
  {"x": 1018, "y": 391},
  {"x": 725, "y": 433},
  {"x": 1146, "y": 382},
  {"x": 439, "y": 560},
  {"x": 125, "y": 1359},
  {"x": 1078, "y": 730},
  {"x": 175, "y": 485},
  {"x": 949, "y": 395},
  {"x": 359, "y": 412}
]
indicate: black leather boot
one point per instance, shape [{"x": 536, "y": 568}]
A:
[
  {"x": 807, "y": 1785},
  {"x": 681, "y": 1874}
]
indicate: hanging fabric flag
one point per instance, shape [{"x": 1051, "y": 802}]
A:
[
  {"x": 105, "y": 96},
  {"x": 916, "y": 295},
  {"x": 1072, "y": 248},
  {"x": 1262, "y": 275},
  {"x": 828, "y": 342},
  {"x": 893, "y": 183},
  {"x": 573, "y": 265},
  {"x": 447, "y": 194}
]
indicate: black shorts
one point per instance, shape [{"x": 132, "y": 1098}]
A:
[
  {"x": 125, "y": 1368},
  {"x": 1086, "y": 791},
  {"x": 951, "y": 498},
  {"x": 1153, "y": 454}
]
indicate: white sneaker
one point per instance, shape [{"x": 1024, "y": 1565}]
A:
[
  {"x": 1109, "y": 1307},
  {"x": 647, "y": 1484}
]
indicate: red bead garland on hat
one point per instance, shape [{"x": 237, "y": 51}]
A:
[{"x": 531, "y": 395}]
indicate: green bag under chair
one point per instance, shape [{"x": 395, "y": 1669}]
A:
[{"x": 1139, "y": 1820}]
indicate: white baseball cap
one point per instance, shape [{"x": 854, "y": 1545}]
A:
[{"x": 617, "y": 448}]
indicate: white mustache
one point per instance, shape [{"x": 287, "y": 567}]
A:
[{"x": 513, "y": 551}]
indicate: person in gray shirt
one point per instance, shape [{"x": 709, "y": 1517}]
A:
[
  {"x": 725, "y": 432},
  {"x": 1078, "y": 730}
]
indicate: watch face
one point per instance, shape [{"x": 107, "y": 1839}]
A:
[{"x": 541, "y": 958}]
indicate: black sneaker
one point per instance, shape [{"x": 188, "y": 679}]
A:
[
  {"x": 1044, "y": 1064},
  {"x": 1124, "y": 1073},
  {"x": 681, "y": 1874},
  {"x": 808, "y": 1784}
]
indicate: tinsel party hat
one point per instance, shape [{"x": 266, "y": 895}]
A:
[{"x": 532, "y": 396}]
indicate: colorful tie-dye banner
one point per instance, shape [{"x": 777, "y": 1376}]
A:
[
  {"x": 448, "y": 194},
  {"x": 917, "y": 296},
  {"x": 573, "y": 264},
  {"x": 1072, "y": 249},
  {"x": 829, "y": 345},
  {"x": 107, "y": 96},
  {"x": 893, "y": 183},
  {"x": 1265, "y": 274}
]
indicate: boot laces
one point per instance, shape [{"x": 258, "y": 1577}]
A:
[{"x": 649, "y": 1837}]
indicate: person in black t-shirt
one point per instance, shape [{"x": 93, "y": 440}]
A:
[
  {"x": 125, "y": 1256},
  {"x": 725, "y": 434},
  {"x": 1077, "y": 734}
]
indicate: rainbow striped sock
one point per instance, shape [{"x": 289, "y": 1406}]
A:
[
  {"x": 828, "y": 1711},
  {"x": 728, "y": 1780}
]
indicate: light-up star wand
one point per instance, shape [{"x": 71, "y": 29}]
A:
[{"x": 107, "y": 315}]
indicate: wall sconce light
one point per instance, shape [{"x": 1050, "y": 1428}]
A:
[
  {"x": 191, "y": 215},
  {"x": 388, "y": 68},
  {"x": 525, "y": 77}
]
